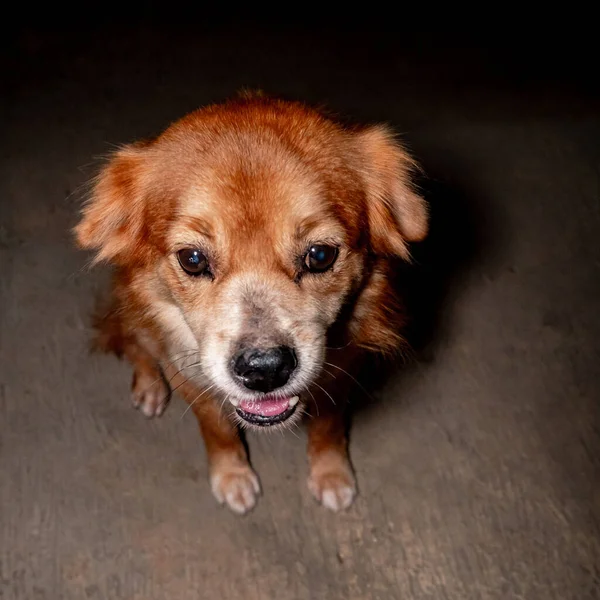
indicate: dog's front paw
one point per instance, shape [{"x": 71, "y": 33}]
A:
[
  {"x": 150, "y": 393},
  {"x": 235, "y": 485},
  {"x": 332, "y": 482}
]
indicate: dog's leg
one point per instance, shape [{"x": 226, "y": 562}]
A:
[
  {"x": 232, "y": 480},
  {"x": 331, "y": 480},
  {"x": 150, "y": 391}
]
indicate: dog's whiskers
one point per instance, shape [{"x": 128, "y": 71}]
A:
[
  {"x": 196, "y": 400},
  {"x": 221, "y": 407},
  {"x": 328, "y": 372},
  {"x": 353, "y": 379},
  {"x": 314, "y": 401},
  {"x": 339, "y": 347},
  {"x": 185, "y": 380},
  {"x": 304, "y": 412},
  {"x": 291, "y": 430},
  {"x": 325, "y": 391},
  {"x": 190, "y": 366},
  {"x": 168, "y": 364}
]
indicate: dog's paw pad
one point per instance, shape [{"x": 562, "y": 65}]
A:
[
  {"x": 237, "y": 487},
  {"x": 335, "y": 490},
  {"x": 150, "y": 394}
]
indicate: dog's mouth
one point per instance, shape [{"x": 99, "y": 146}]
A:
[{"x": 267, "y": 411}]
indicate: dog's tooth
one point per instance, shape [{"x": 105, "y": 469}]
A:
[
  {"x": 294, "y": 401},
  {"x": 234, "y": 401}
]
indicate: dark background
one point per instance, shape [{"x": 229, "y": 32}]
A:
[{"x": 477, "y": 461}]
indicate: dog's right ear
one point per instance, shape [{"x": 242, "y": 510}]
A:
[{"x": 112, "y": 219}]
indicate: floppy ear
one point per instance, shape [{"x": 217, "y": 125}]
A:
[
  {"x": 112, "y": 220},
  {"x": 397, "y": 214}
]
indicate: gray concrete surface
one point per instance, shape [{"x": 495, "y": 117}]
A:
[{"x": 478, "y": 463}]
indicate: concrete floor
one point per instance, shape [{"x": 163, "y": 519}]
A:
[{"x": 478, "y": 464}]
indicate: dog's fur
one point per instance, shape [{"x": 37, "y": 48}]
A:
[{"x": 253, "y": 183}]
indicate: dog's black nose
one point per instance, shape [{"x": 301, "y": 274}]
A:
[{"x": 264, "y": 370}]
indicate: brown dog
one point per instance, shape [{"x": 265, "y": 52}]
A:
[{"x": 252, "y": 244}]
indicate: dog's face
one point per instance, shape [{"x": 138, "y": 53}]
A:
[{"x": 245, "y": 228}]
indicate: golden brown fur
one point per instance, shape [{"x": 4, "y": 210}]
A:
[{"x": 252, "y": 184}]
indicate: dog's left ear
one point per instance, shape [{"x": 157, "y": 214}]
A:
[{"x": 397, "y": 214}]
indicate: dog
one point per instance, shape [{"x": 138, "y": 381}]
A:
[{"x": 253, "y": 244}]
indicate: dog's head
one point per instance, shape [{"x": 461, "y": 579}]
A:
[{"x": 245, "y": 228}]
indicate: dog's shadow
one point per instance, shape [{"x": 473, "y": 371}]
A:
[{"x": 429, "y": 285}]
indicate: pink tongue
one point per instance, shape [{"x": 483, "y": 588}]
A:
[{"x": 265, "y": 408}]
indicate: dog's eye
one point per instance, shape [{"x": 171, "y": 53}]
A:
[
  {"x": 320, "y": 257},
  {"x": 192, "y": 261}
]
